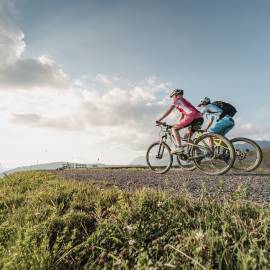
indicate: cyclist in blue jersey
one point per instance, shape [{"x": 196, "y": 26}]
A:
[{"x": 216, "y": 124}]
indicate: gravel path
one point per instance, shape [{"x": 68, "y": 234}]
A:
[{"x": 256, "y": 185}]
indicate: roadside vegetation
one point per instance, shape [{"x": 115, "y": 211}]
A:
[
  {"x": 47, "y": 222},
  {"x": 266, "y": 155}
]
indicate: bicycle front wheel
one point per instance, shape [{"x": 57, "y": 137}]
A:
[
  {"x": 213, "y": 154},
  {"x": 248, "y": 154},
  {"x": 159, "y": 157}
]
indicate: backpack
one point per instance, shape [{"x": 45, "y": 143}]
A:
[{"x": 227, "y": 108}]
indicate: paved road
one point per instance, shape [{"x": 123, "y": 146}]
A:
[{"x": 256, "y": 185}]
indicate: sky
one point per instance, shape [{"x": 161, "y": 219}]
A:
[{"x": 84, "y": 81}]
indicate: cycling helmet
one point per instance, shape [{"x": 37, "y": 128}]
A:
[
  {"x": 204, "y": 101},
  {"x": 177, "y": 92}
]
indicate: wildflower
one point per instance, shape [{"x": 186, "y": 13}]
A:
[
  {"x": 199, "y": 235},
  {"x": 159, "y": 204},
  {"x": 129, "y": 228},
  {"x": 131, "y": 242}
]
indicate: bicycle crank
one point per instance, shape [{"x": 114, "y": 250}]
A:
[{"x": 183, "y": 156}]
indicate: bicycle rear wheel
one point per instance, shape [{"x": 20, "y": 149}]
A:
[
  {"x": 248, "y": 154},
  {"x": 187, "y": 165},
  {"x": 159, "y": 157},
  {"x": 213, "y": 154}
]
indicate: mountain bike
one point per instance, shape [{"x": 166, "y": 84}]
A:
[
  {"x": 211, "y": 153},
  {"x": 248, "y": 155}
]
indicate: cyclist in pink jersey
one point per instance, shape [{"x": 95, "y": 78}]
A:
[{"x": 188, "y": 114}]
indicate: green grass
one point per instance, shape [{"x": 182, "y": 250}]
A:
[{"x": 50, "y": 223}]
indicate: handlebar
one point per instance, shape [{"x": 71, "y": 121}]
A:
[{"x": 164, "y": 124}]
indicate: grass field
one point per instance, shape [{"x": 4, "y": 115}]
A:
[
  {"x": 266, "y": 156},
  {"x": 47, "y": 222}
]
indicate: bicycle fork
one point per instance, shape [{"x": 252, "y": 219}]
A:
[{"x": 161, "y": 148}]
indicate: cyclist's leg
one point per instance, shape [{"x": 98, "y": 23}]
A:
[
  {"x": 222, "y": 127},
  {"x": 176, "y": 135},
  {"x": 188, "y": 133},
  {"x": 225, "y": 155},
  {"x": 218, "y": 128},
  {"x": 188, "y": 119}
]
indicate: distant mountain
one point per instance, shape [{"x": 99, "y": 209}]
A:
[
  {"x": 48, "y": 166},
  {"x": 263, "y": 144},
  {"x": 138, "y": 161},
  {"x": 2, "y": 169},
  {"x": 141, "y": 161}
]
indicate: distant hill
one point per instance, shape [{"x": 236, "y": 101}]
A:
[
  {"x": 141, "y": 161},
  {"x": 2, "y": 169},
  {"x": 138, "y": 161},
  {"x": 46, "y": 166},
  {"x": 263, "y": 144}
]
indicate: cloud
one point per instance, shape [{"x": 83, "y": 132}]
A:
[
  {"x": 17, "y": 72},
  {"x": 12, "y": 44},
  {"x": 104, "y": 79},
  {"x": 30, "y": 118},
  {"x": 117, "y": 115},
  {"x": 119, "y": 106},
  {"x": 67, "y": 123},
  {"x": 250, "y": 130},
  {"x": 113, "y": 107},
  {"x": 33, "y": 73},
  {"x": 246, "y": 129}
]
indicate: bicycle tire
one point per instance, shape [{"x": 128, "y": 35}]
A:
[
  {"x": 259, "y": 154},
  {"x": 230, "y": 148},
  {"x": 170, "y": 161}
]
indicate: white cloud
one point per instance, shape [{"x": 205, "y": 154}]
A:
[
  {"x": 250, "y": 130},
  {"x": 132, "y": 110},
  {"x": 104, "y": 79},
  {"x": 12, "y": 44},
  {"x": 246, "y": 129},
  {"x": 42, "y": 72},
  {"x": 17, "y": 72}
]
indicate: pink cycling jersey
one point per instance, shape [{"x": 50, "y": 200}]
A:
[
  {"x": 188, "y": 110},
  {"x": 183, "y": 106}
]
